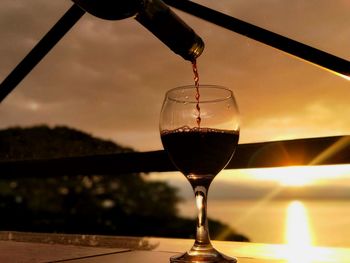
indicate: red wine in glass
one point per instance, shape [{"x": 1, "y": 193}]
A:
[{"x": 201, "y": 152}]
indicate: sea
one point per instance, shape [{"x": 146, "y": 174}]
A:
[{"x": 311, "y": 222}]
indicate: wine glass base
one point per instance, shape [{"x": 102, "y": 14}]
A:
[{"x": 216, "y": 257}]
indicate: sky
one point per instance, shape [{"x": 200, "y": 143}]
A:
[{"x": 108, "y": 78}]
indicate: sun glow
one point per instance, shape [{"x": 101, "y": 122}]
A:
[{"x": 299, "y": 176}]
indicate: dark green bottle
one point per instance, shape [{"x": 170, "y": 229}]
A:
[{"x": 156, "y": 16}]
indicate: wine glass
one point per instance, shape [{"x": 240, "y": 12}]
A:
[{"x": 200, "y": 135}]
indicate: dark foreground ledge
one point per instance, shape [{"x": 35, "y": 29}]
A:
[
  {"x": 311, "y": 151},
  {"x": 36, "y": 247}
]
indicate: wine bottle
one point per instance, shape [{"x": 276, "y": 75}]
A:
[{"x": 156, "y": 16}]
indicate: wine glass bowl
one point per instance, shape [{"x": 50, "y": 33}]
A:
[{"x": 200, "y": 135}]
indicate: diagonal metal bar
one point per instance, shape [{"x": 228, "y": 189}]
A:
[
  {"x": 40, "y": 50},
  {"x": 318, "y": 57}
]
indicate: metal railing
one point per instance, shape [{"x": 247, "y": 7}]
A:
[{"x": 312, "y": 151}]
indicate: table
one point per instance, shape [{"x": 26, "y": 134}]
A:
[{"x": 18, "y": 247}]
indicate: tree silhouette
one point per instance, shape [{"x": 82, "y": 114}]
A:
[{"x": 124, "y": 204}]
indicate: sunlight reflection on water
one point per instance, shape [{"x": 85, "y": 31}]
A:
[{"x": 298, "y": 234}]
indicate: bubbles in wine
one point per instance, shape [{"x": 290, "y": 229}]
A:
[{"x": 186, "y": 128}]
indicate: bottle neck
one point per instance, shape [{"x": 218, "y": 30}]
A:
[{"x": 159, "y": 19}]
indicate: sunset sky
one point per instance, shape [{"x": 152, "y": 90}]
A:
[{"x": 108, "y": 78}]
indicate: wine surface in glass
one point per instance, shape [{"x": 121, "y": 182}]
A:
[{"x": 200, "y": 152}]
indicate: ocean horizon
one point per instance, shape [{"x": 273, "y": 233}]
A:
[{"x": 311, "y": 222}]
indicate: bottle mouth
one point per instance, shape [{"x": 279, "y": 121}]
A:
[
  {"x": 197, "y": 48},
  {"x": 189, "y": 50}
]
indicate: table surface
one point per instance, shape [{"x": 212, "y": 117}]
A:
[{"x": 16, "y": 247}]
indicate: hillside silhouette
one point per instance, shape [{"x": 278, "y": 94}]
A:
[
  {"x": 41, "y": 142},
  {"x": 126, "y": 204}
]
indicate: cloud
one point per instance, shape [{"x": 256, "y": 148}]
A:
[
  {"x": 109, "y": 77},
  {"x": 312, "y": 119}
]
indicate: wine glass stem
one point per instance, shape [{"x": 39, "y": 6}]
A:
[{"x": 202, "y": 234}]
